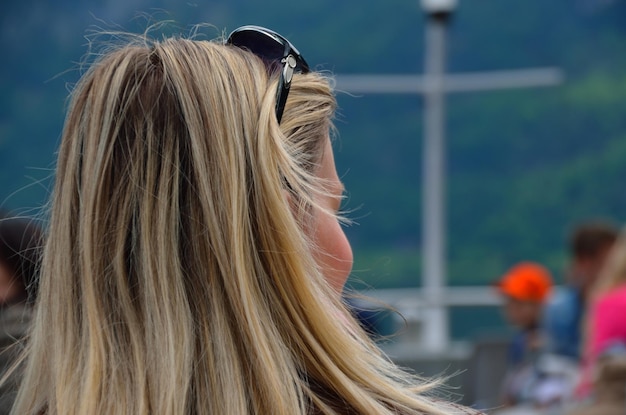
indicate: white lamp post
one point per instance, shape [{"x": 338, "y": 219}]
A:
[
  {"x": 436, "y": 324},
  {"x": 439, "y": 6},
  {"x": 431, "y": 314}
]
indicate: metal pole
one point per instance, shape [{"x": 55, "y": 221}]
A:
[{"x": 435, "y": 331}]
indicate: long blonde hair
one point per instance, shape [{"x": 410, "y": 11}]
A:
[{"x": 176, "y": 278}]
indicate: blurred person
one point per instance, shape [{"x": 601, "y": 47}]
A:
[
  {"x": 560, "y": 361},
  {"x": 21, "y": 240},
  {"x": 589, "y": 245},
  {"x": 525, "y": 288},
  {"x": 195, "y": 259},
  {"x": 605, "y": 321}
]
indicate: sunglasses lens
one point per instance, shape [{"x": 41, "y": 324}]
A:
[
  {"x": 260, "y": 44},
  {"x": 267, "y": 47}
]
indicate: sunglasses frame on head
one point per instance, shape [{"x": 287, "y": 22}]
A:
[{"x": 276, "y": 52}]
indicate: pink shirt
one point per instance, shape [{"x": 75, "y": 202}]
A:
[{"x": 608, "y": 326}]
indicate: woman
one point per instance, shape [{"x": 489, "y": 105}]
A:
[
  {"x": 195, "y": 257},
  {"x": 605, "y": 324}
]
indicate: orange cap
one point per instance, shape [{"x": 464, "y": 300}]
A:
[{"x": 526, "y": 281}]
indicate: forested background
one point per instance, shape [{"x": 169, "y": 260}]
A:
[{"x": 524, "y": 166}]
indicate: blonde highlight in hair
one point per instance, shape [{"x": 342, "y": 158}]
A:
[{"x": 176, "y": 278}]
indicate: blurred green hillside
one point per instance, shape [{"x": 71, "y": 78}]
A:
[{"x": 524, "y": 166}]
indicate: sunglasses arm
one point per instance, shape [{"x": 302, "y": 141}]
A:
[{"x": 284, "y": 83}]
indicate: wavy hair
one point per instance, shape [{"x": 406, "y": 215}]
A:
[{"x": 177, "y": 277}]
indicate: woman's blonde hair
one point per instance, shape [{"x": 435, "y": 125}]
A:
[{"x": 176, "y": 278}]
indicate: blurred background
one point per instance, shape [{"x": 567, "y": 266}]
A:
[{"x": 523, "y": 165}]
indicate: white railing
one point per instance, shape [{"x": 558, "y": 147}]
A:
[{"x": 413, "y": 307}]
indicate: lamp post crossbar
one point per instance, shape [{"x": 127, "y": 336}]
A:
[{"x": 452, "y": 83}]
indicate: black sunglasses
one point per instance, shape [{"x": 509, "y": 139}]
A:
[{"x": 277, "y": 53}]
